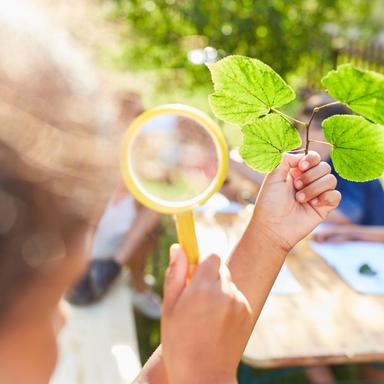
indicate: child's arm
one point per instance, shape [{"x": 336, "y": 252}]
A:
[
  {"x": 143, "y": 226},
  {"x": 294, "y": 199},
  {"x": 281, "y": 218},
  {"x": 341, "y": 233}
]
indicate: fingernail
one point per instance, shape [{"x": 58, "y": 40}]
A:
[
  {"x": 300, "y": 196},
  {"x": 298, "y": 184},
  {"x": 172, "y": 253},
  {"x": 304, "y": 165}
]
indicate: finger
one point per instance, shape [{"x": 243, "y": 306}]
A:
[
  {"x": 340, "y": 238},
  {"x": 326, "y": 202},
  {"x": 281, "y": 172},
  {"x": 327, "y": 232},
  {"x": 309, "y": 161},
  {"x": 207, "y": 270},
  {"x": 313, "y": 190},
  {"x": 175, "y": 278},
  {"x": 295, "y": 173},
  {"x": 322, "y": 236},
  {"x": 312, "y": 174}
]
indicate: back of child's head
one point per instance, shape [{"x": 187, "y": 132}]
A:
[{"x": 57, "y": 163}]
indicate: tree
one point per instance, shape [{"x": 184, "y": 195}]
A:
[{"x": 283, "y": 34}]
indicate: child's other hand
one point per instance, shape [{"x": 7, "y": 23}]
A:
[
  {"x": 295, "y": 198},
  {"x": 339, "y": 234},
  {"x": 203, "y": 336}
]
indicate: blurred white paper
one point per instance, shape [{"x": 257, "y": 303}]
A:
[
  {"x": 218, "y": 203},
  {"x": 347, "y": 258},
  {"x": 285, "y": 284}
]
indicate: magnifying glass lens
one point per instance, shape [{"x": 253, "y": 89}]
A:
[{"x": 173, "y": 158}]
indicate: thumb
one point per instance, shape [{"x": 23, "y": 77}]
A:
[
  {"x": 281, "y": 172},
  {"x": 175, "y": 278}
]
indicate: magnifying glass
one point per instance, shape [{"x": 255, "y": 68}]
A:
[{"x": 173, "y": 159}]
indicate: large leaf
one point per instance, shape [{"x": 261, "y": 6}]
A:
[
  {"x": 266, "y": 140},
  {"x": 362, "y": 91},
  {"x": 246, "y": 89},
  {"x": 358, "y": 147}
]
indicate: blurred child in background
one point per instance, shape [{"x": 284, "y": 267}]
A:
[
  {"x": 361, "y": 203},
  {"x": 360, "y": 215},
  {"x": 125, "y": 235}
]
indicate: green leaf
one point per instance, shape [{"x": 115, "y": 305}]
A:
[
  {"x": 266, "y": 140},
  {"x": 246, "y": 89},
  {"x": 360, "y": 90},
  {"x": 358, "y": 147}
]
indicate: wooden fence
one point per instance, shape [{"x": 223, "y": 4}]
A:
[{"x": 362, "y": 54}]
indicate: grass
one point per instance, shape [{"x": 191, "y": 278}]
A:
[{"x": 148, "y": 331}]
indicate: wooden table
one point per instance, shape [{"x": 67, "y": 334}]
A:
[{"x": 325, "y": 323}]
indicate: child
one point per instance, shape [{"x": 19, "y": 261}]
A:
[
  {"x": 57, "y": 170},
  {"x": 362, "y": 203},
  {"x": 124, "y": 236}
]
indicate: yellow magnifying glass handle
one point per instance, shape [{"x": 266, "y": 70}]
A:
[{"x": 185, "y": 227}]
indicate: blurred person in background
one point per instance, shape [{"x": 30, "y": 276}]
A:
[
  {"x": 361, "y": 203},
  {"x": 54, "y": 118},
  {"x": 359, "y": 216},
  {"x": 125, "y": 235}
]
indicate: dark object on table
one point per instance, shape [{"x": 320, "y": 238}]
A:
[{"x": 366, "y": 270}]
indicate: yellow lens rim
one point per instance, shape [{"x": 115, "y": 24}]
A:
[{"x": 221, "y": 147}]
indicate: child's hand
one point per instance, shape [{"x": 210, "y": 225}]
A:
[
  {"x": 295, "y": 198},
  {"x": 203, "y": 336},
  {"x": 341, "y": 233}
]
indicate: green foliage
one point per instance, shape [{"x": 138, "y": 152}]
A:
[
  {"x": 272, "y": 135},
  {"x": 283, "y": 34},
  {"x": 234, "y": 99},
  {"x": 148, "y": 330},
  {"x": 358, "y": 146},
  {"x": 248, "y": 92},
  {"x": 362, "y": 91}
]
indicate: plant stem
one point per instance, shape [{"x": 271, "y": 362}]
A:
[
  {"x": 320, "y": 142},
  {"x": 315, "y": 110},
  {"x": 307, "y": 135},
  {"x": 297, "y": 150},
  {"x": 326, "y": 105},
  {"x": 288, "y": 117}
]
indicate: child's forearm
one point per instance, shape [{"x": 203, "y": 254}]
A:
[
  {"x": 375, "y": 234},
  {"x": 255, "y": 264},
  {"x": 153, "y": 371}
]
